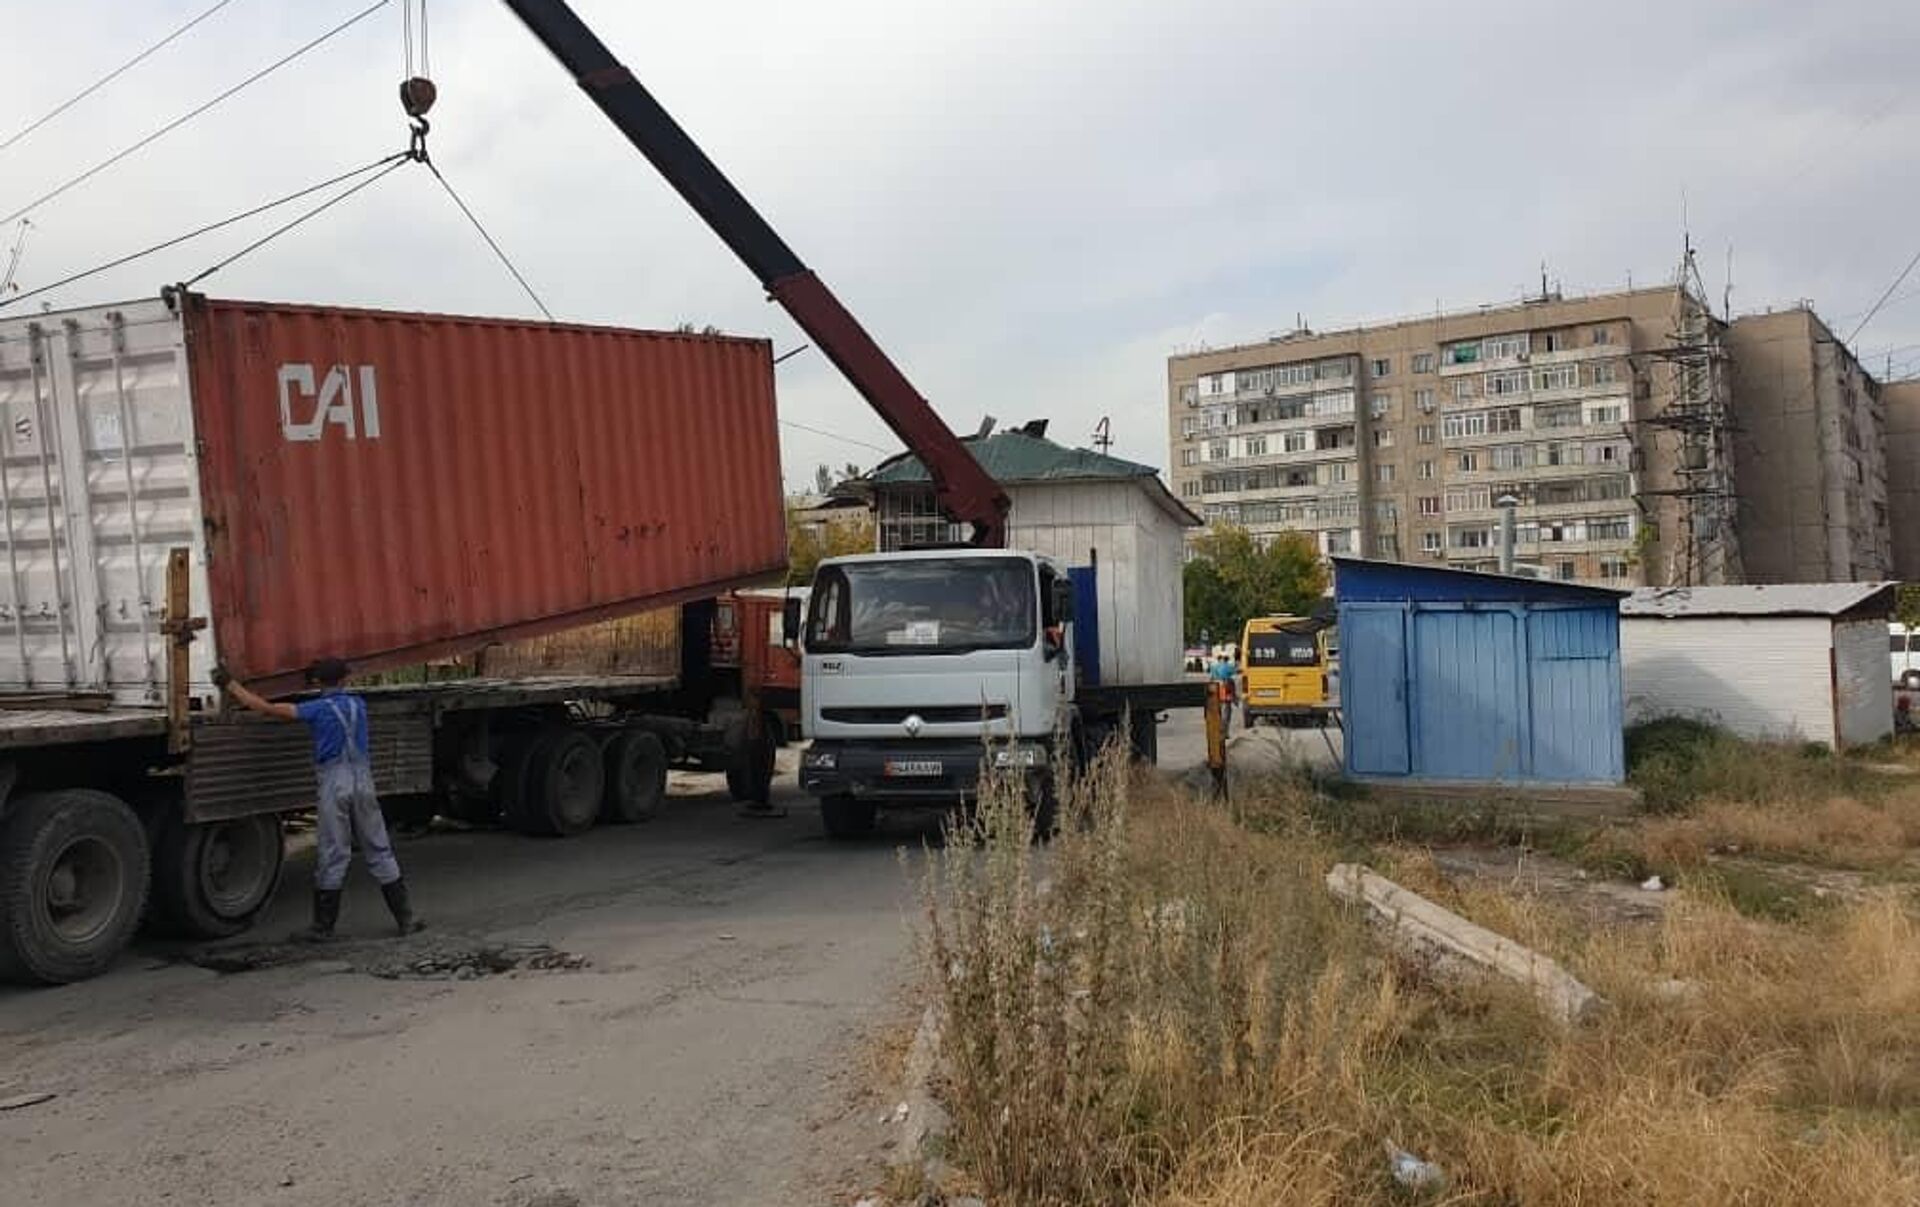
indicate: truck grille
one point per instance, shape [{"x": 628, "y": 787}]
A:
[{"x": 939, "y": 714}]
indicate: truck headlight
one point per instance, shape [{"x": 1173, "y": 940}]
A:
[
  {"x": 1020, "y": 756},
  {"x": 820, "y": 760}
]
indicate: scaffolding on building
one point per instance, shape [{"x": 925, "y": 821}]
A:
[{"x": 1697, "y": 417}]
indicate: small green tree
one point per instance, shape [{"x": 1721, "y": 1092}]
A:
[
  {"x": 1906, "y": 605},
  {"x": 1233, "y": 576},
  {"x": 807, "y": 544}
]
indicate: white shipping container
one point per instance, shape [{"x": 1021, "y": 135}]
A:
[{"x": 100, "y": 480}]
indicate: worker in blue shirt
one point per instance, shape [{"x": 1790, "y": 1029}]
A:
[
  {"x": 1227, "y": 674},
  {"x": 347, "y": 805}
]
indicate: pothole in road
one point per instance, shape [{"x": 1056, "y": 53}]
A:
[{"x": 445, "y": 960}]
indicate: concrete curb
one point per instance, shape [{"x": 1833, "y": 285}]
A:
[{"x": 924, "y": 1123}]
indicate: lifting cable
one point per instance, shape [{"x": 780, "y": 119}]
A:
[
  {"x": 387, "y": 161},
  {"x": 188, "y": 116},
  {"x": 432, "y": 167},
  {"x": 392, "y": 162},
  {"x": 111, "y": 76}
]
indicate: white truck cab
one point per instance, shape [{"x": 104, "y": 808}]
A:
[{"x": 920, "y": 664}]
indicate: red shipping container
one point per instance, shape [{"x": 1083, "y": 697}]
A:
[{"x": 389, "y": 487}]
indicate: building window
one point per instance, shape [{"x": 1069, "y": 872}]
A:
[
  {"x": 1613, "y": 568},
  {"x": 1565, "y": 415},
  {"x": 1563, "y": 571},
  {"x": 1422, "y": 362},
  {"x": 1506, "y": 419},
  {"x": 1294, "y": 442},
  {"x": 1513, "y": 381},
  {"x": 1607, "y": 414},
  {"x": 1381, "y": 367},
  {"x": 1334, "y": 404},
  {"x": 1461, "y": 354},
  {"x": 1424, "y": 434},
  {"x": 1381, "y": 404},
  {"x": 1462, "y": 389},
  {"x": 1190, "y": 489},
  {"x": 1383, "y": 473},
  {"x": 1386, "y": 544},
  {"x": 1470, "y": 538},
  {"x": 1602, "y": 336},
  {"x": 1334, "y": 370},
  {"x": 1613, "y": 452},
  {"x": 1503, "y": 347},
  {"x": 1467, "y": 423},
  {"x": 1429, "y": 542},
  {"x": 1217, "y": 451},
  {"x": 1510, "y": 456},
  {"x": 1429, "y": 504},
  {"x": 1565, "y": 454},
  {"x": 1604, "y": 373},
  {"x": 1256, "y": 446},
  {"x": 1556, "y": 377},
  {"x": 1340, "y": 471},
  {"x": 1299, "y": 477},
  {"x": 1189, "y": 425},
  {"x": 1469, "y": 498},
  {"x": 1469, "y": 462},
  {"x": 1215, "y": 383},
  {"x": 1556, "y": 341},
  {"x": 1424, "y": 471},
  {"x": 1423, "y": 401},
  {"x": 1612, "y": 528},
  {"x": 1383, "y": 437},
  {"x": 1189, "y": 456}
]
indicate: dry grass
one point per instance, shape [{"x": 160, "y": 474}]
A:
[{"x": 1166, "y": 1007}]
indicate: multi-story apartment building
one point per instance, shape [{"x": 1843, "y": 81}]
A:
[
  {"x": 1810, "y": 453},
  {"x": 1902, "y": 400},
  {"x": 1400, "y": 441},
  {"x": 1610, "y": 422}
]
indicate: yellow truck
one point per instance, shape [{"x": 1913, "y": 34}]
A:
[{"x": 1286, "y": 665}]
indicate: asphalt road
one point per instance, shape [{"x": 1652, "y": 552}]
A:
[
  {"x": 718, "y": 1046},
  {"x": 720, "y": 1040}
]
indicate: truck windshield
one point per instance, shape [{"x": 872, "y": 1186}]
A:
[
  {"x": 923, "y": 605},
  {"x": 1282, "y": 649}
]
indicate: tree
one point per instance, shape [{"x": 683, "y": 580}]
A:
[
  {"x": 822, "y": 479},
  {"x": 1906, "y": 605},
  {"x": 808, "y": 543},
  {"x": 1232, "y": 576}
]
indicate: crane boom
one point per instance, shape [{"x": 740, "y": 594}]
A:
[{"x": 965, "y": 491}]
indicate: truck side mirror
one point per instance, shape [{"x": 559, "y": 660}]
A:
[
  {"x": 1063, "y": 601},
  {"x": 790, "y": 619}
]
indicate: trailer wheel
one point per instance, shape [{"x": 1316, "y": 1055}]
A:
[
  {"x": 565, "y": 782},
  {"x": 1043, "y": 805},
  {"x": 507, "y": 795},
  {"x": 73, "y": 884},
  {"x": 211, "y": 881},
  {"x": 1143, "y": 736},
  {"x": 848, "y": 816},
  {"x": 636, "y": 776},
  {"x": 749, "y": 766}
]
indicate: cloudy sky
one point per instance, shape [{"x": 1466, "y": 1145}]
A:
[{"x": 1030, "y": 204}]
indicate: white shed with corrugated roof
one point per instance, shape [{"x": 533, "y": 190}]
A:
[{"x": 1793, "y": 661}]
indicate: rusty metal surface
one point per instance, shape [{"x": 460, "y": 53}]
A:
[
  {"x": 389, "y": 488},
  {"x": 243, "y": 765},
  {"x": 648, "y": 644}
]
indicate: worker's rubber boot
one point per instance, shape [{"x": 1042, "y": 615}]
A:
[
  {"x": 326, "y": 915},
  {"x": 396, "y": 894}
]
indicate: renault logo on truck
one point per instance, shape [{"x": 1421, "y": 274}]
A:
[{"x": 305, "y": 411}]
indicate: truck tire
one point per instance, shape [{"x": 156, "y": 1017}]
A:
[
  {"x": 508, "y": 793},
  {"x": 1143, "y": 737},
  {"x": 73, "y": 884},
  {"x": 636, "y": 777},
  {"x": 848, "y": 816},
  {"x": 212, "y": 880},
  {"x": 565, "y": 783},
  {"x": 1043, "y": 805},
  {"x": 745, "y": 781}
]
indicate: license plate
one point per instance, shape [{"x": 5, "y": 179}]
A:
[{"x": 915, "y": 767}]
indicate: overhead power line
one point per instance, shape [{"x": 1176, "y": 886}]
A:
[
  {"x": 1875, "y": 308},
  {"x": 196, "y": 111},
  {"x": 111, "y": 76},
  {"x": 315, "y": 212},
  {"x": 793, "y": 423}
]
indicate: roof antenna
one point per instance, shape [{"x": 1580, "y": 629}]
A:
[
  {"x": 1103, "y": 434},
  {"x": 986, "y": 427}
]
